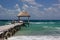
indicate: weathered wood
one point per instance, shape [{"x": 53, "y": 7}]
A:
[
  {"x": 9, "y": 30},
  {"x": 6, "y": 27}
]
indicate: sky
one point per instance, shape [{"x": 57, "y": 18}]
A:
[{"x": 38, "y": 9}]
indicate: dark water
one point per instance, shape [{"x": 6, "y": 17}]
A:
[
  {"x": 41, "y": 27},
  {"x": 4, "y": 22}
]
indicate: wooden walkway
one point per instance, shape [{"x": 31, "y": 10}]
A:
[
  {"x": 11, "y": 27},
  {"x": 6, "y": 27}
]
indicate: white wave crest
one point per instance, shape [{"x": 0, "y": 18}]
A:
[
  {"x": 57, "y": 28},
  {"x": 42, "y": 22},
  {"x": 35, "y": 38}
]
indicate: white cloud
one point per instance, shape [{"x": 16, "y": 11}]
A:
[
  {"x": 52, "y": 12},
  {"x": 50, "y": 9},
  {"x": 17, "y": 7},
  {"x": 32, "y": 8},
  {"x": 25, "y": 7},
  {"x": 58, "y": 0},
  {"x": 0, "y": 6},
  {"x": 32, "y": 2},
  {"x": 56, "y": 5},
  {"x": 35, "y": 12},
  {"x": 53, "y": 8},
  {"x": 8, "y": 13}
]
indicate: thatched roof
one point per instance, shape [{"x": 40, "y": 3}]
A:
[{"x": 23, "y": 14}]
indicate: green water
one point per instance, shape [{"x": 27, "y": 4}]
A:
[
  {"x": 41, "y": 28},
  {"x": 38, "y": 28},
  {"x": 4, "y": 23}
]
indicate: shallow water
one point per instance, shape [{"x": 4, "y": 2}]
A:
[
  {"x": 41, "y": 28},
  {"x": 38, "y": 28}
]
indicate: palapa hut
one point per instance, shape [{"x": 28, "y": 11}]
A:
[{"x": 23, "y": 14}]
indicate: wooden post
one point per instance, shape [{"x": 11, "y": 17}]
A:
[
  {"x": 18, "y": 19},
  {"x": 28, "y": 21}
]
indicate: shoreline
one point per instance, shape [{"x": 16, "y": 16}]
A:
[{"x": 34, "y": 38}]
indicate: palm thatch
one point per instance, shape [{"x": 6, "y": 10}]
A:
[{"x": 23, "y": 14}]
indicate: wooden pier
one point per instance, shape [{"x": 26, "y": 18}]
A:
[{"x": 9, "y": 30}]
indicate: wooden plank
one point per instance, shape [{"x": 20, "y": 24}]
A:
[{"x": 6, "y": 27}]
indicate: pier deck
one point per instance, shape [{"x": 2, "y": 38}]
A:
[{"x": 7, "y": 27}]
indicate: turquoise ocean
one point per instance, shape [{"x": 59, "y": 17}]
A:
[{"x": 38, "y": 27}]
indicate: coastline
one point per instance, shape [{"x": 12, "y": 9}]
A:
[
  {"x": 34, "y": 38},
  {"x": 41, "y": 27}
]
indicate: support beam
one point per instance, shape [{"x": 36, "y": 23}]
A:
[
  {"x": 28, "y": 19},
  {"x": 18, "y": 19}
]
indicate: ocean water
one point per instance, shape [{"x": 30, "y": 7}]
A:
[
  {"x": 4, "y": 22},
  {"x": 44, "y": 27},
  {"x": 37, "y": 30},
  {"x": 41, "y": 28}
]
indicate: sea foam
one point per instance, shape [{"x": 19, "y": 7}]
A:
[
  {"x": 42, "y": 22},
  {"x": 35, "y": 38}
]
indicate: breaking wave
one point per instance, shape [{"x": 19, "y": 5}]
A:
[
  {"x": 42, "y": 22},
  {"x": 35, "y": 38}
]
